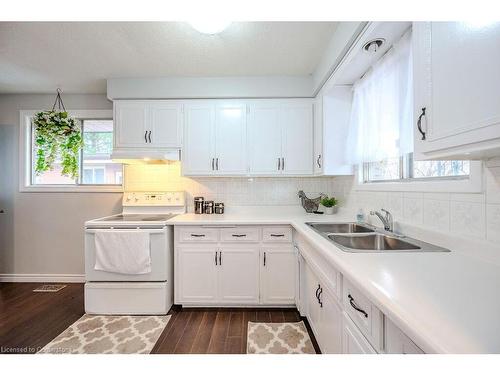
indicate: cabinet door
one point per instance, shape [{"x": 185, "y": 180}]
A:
[
  {"x": 456, "y": 78},
  {"x": 318, "y": 135},
  {"x": 297, "y": 133},
  {"x": 199, "y": 148},
  {"x": 278, "y": 272},
  {"x": 165, "y": 124},
  {"x": 264, "y": 139},
  {"x": 197, "y": 275},
  {"x": 131, "y": 128},
  {"x": 313, "y": 307},
  {"x": 353, "y": 342},
  {"x": 396, "y": 342},
  {"x": 231, "y": 139},
  {"x": 330, "y": 325},
  {"x": 239, "y": 275}
]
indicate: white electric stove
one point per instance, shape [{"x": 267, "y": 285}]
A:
[{"x": 135, "y": 294}]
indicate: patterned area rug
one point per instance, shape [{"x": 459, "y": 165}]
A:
[
  {"x": 278, "y": 338},
  {"x": 107, "y": 334}
]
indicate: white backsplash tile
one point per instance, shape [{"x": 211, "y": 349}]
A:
[
  {"x": 437, "y": 214},
  {"x": 493, "y": 222},
  {"x": 413, "y": 208}
]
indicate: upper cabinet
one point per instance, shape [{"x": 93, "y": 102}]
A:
[
  {"x": 280, "y": 137},
  {"x": 215, "y": 139},
  {"x": 146, "y": 128},
  {"x": 457, "y": 95}
]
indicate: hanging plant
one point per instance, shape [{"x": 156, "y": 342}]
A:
[{"x": 57, "y": 134}]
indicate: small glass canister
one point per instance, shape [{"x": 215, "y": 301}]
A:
[
  {"x": 199, "y": 205},
  {"x": 209, "y": 207},
  {"x": 219, "y": 208}
]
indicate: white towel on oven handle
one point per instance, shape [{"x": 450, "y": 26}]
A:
[{"x": 122, "y": 251}]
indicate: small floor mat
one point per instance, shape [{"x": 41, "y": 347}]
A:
[
  {"x": 49, "y": 288},
  {"x": 278, "y": 338},
  {"x": 109, "y": 334}
]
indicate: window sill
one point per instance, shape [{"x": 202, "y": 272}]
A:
[
  {"x": 70, "y": 189},
  {"x": 473, "y": 184}
]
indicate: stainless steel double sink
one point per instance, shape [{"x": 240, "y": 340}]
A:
[{"x": 364, "y": 238}]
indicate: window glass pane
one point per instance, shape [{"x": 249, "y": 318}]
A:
[
  {"x": 98, "y": 144},
  {"x": 88, "y": 176},
  {"x": 53, "y": 177},
  {"x": 388, "y": 169},
  {"x": 441, "y": 168}
]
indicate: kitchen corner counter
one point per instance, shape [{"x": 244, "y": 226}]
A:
[{"x": 445, "y": 302}]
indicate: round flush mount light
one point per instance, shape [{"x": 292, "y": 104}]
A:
[
  {"x": 373, "y": 45},
  {"x": 210, "y": 27}
]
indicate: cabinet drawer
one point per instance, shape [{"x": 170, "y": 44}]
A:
[
  {"x": 197, "y": 234},
  {"x": 240, "y": 234},
  {"x": 277, "y": 234},
  {"x": 365, "y": 314}
]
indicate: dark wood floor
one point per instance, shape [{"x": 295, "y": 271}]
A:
[{"x": 29, "y": 321}]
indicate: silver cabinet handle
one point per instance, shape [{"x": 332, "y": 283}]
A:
[
  {"x": 146, "y": 136},
  {"x": 318, "y": 161},
  {"x": 149, "y": 136}
]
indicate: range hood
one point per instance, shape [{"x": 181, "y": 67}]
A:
[{"x": 132, "y": 156}]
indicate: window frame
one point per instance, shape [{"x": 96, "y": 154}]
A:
[
  {"x": 25, "y": 159},
  {"x": 473, "y": 183}
]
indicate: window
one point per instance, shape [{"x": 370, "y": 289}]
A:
[
  {"x": 97, "y": 171},
  {"x": 405, "y": 168}
]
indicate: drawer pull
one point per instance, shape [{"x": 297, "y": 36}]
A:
[
  {"x": 319, "y": 297},
  {"x": 264, "y": 258},
  {"x": 351, "y": 301},
  {"x": 197, "y": 235},
  {"x": 277, "y": 235},
  {"x": 216, "y": 257},
  {"x": 239, "y": 235},
  {"x": 220, "y": 258},
  {"x": 317, "y": 291}
]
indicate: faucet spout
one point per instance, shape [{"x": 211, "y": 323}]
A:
[{"x": 386, "y": 219}]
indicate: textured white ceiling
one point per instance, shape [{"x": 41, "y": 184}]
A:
[{"x": 79, "y": 56}]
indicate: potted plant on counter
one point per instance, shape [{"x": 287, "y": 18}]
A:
[{"x": 330, "y": 204}]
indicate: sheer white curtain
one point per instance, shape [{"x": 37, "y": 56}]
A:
[{"x": 381, "y": 124}]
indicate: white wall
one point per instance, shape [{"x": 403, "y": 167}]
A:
[
  {"x": 42, "y": 233},
  {"x": 467, "y": 216}
]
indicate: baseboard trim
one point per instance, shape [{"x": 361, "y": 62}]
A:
[{"x": 41, "y": 278}]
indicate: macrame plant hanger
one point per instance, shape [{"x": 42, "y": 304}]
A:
[{"x": 59, "y": 102}]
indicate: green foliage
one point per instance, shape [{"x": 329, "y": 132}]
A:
[
  {"x": 57, "y": 134},
  {"x": 329, "y": 202}
]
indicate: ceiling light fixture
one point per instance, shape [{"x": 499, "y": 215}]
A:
[{"x": 210, "y": 27}]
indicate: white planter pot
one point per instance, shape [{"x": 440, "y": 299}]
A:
[{"x": 330, "y": 210}]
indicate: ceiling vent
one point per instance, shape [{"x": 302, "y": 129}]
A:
[{"x": 373, "y": 45}]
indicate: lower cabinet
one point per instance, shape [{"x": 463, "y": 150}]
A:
[
  {"x": 218, "y": 275},
  {"x": 197, "y": 274},
  {"x": 353, "y": 341},
  {"x": 396, "y": 342},
  {"x": 324, "y": 314},
  {"x": 278, "y": 271},
  {"x": 238, "y": 280}
]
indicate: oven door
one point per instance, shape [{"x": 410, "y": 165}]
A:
[{"x": 161, "y": 245}]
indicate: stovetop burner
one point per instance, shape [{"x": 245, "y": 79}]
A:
[{"x": 137, "y": 217}]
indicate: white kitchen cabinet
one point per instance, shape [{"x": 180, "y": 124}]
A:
[
  {"x": 297, "y": 139},
  {"x": 330, "y": 137},
  {"x": 323, "y": 313},
  {"x": 396, "y": 342},
  {"x": 215, "y": 139},
  {"x": 265, "y": 134},
  {"x": 147, "y": 124},
  {"x": 199, "y": 143},
  {"x": 281, "y": 137},
  {"x": 456, "y": 96},
  {"x": 165, "y": 123},
  {"x": 197, "y": 274},
  {"x": 230, "y": 139},
  {"x": 278, "y": 273},
  {"x": 353, "y": 341},
  {"x": 238, "y": 275}
]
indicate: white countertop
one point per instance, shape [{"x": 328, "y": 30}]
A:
[{"x": 445, "y": 302}]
